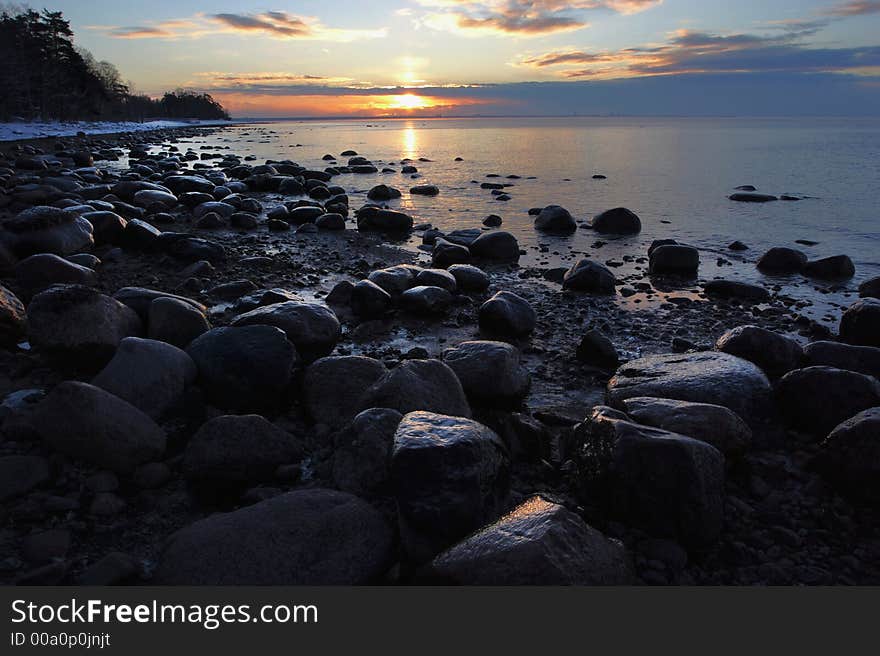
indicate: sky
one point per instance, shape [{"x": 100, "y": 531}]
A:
[{"x": 496, "y": 57}]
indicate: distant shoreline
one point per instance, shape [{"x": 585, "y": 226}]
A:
[{"x": 11, "y": 132}]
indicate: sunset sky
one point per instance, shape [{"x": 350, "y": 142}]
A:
[{"x": 510, "y": 57}]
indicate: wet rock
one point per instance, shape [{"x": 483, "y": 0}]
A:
[
  {"x": 150, "y": 375},
  {"x": 21, "y": 474},
  {"x": 108, "y": 227},
  {"x": 425, "y": 190},
  {"x": 666, "y": 484},
  {"x": 863, "y": 359},
  {"x": 333, "y": 387},
  {"x": 188, "y": 183},
  {"x": 450, "y": 476},
  {"x": 490, "y": 372},
  {"x": 870, "y": 288},
  {"x": 87, "y": 423},
  {"x": 749, "y": 197},
  {"x": 736, "y": 289},
  {"x": 469, "y": 278},
  {"x": 362, "y": 456},
  {"x": 238, "y": 449},
  {"x": 860, "y": 324},
  {"x": 12, "y": 318},
  {"x": 588, "y": 276},
  {"x": 312, "y": 328},
  {"x": 38, "y": 272},
  {"x": 507, "y": 315},
  {"x": 712, "y": 424},
  {"x": 149, "y": 197},
  {"x": 596, "y": 350},
  {"x": 306, "y": 537},
  {"x": 140, "y": 300},
  {"x": 555, "y": 219},
  {"x": 330, "y": 221},
  {"x": 79, "y": 323},
  {"x": 175, "y": 321},
  {"x": 245, "y": 367},
  {"x": 776, "y": 354},
  {"x": 426, "y": 300},
  {"x": 383, "y": 192},
  {"x": 782, "y": 261},
  {"x": 369, "y": 300},
  {"x": 705, "y": 377},
  {"x": 537, "y": 543},
  {"x": 675, "y": 259},
  {"x": 617, "y": 221},
  {"x": 493, "y": 221},
  {"x": 437, "y": 278},
  {"x": 850, "y": 456},
  {"x": 140, "y": 235},
  {"x": 418, "y": 385},
  {"x": 830, "y": 268},
  {"x": 446, "y": 253},
  {"x": 395, "y": 280},
  {"x": 44, "y": 229},
  {"x": 375, "y": 218},
  {"x": 495, "y": 245},
  {"x": 816, "y": 399},
  {"x": 191, "y": 249}
]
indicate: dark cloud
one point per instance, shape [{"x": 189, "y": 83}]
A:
[{"x": 272, "y": 22}]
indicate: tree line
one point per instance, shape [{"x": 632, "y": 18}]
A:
[{"x": 43, "y": 75}]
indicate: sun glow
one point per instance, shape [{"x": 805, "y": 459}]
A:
[{"x": 409, "y": 101}]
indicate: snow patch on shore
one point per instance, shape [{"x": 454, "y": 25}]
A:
[{"x": 36, "y": 130}]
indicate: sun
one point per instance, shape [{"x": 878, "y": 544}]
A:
[{"x": 409, "y": 101}]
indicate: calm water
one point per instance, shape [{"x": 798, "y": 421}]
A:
[{"x": 675, "y": 173}]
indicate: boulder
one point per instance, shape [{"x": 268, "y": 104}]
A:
[
  {"x": 362, "y": 454},
  {"x": 776, "y": 354},
  {"x": 863, "y": 359},
  {"x": 589, "y": 276},
  {"x": 383, "y": 192},
  {"x": 850, "y": 456},
  {"x": 450, "y": 477},
  {"x": 418, "y": 385},
  {"x": 437, "y": 278},
  {"x": 674, "y": 259},
  {"x": 243, "y": 368},
  {"x": 108, "y": 227},
  {"x": 87, "y": 423},
  {"x": 233, "y": 450},
  {"x": 38, "y": 272},
  {"x": 175, "y": 321},
  {"x": 830, "y": 268},
  {"x": 44, "y": 229},
  {"x": 79, "y": 323},
  {"x": 469, "y": 278},
  {"x": 395, "y": 280},
  {"x": 12, "y": 318},
  {"x": 782, "y": 261},
  {"x": 870, "y": 288},
  {"x": 306, "y": 537},
  {"x": 537, "y": 543},
  {"x": 369, "y": 300},
  {"x": 816, "y": 399},
  {"x": 860, "y": 324},
  {"x": 704, "y": 377},
  {"x": 330, "y": 221},
  {"x": 150, "y": 375},
  {"x": 490, "y": 372},
  {"x": 446, "y": 253},
  {"x": 333, "y": 387},
  {"x": 749, "y": 197},
  {"x": 139, "y": 299},
  {"x": 712, "y": 424},
  {"x": 426, "y": 300},
  {"x": 495, "y": 245},
  {"x": 507, "y": 315},
  {"x": 736, "y": 289},
  {"x": 555, "y": 219},
  {"x": 617, "y": 221},
  {"x": 21, "y": 474},
  {"x": 666, "y": 484},
  {"x": 375, "y": 218},
  {"x": 596, "y": 350},
  {"x": 312, "y": 328}
]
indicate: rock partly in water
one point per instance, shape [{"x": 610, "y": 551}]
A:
[
  {"x": 830, "y": 268},
  {"x": 863, "y": 359},
  {"x": 674, "y": 259},
  {"x": 782, "y": 261},
  {"x": 555, "y": 219},
  {"x": 617, "y": 221}
]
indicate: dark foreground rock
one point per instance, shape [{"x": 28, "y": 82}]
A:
[
  {"x": 362, "y": 460},
  {"x": 333, "y": 387},
  {"x": 307, "y": 537},
  {"x": 490, "y": 372},
  {"x": 860, "y": 324},
  {"x": 776, "y": 354},
  {"x": 418, "y": 385},
  {"x": 507, "y": 315},
  {"x": 850, "y": 456}
]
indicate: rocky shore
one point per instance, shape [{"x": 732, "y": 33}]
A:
[{"x": 219, "y": 371}]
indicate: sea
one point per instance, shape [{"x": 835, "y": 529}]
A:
[{"x": 676, "y": 173}]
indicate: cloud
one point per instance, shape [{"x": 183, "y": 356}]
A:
[
  {"x": 275, "y": 24},
  {"x": 856, "y": 8},
  {"x": 522, "y": 18},
  {"x": 692, "y": 52}
]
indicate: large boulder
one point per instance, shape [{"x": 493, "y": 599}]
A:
[
  {"x": 446, "y": 253},
  {"x": 376, "y": 218},
  {"x": 664, "y": 483},
  {"x": 816, "y": 399},
  {"x": 589, "y": 276},
  {"x": 674, "y": 259},
  {"x": 617, "y": 221},
  {"x": 311, "y": 327},
  {"x": 394, "y": 280},
  {"x": 782, "y": 261},
  {"x": 705, "y": 377},
  {"x": 150, "y": 375},
  {"x": 507, "y": 315},
  {"x": 864, "y": 359},
  {"x": 333, "y": 387},
  {"x": 490, "y": 372},
  {"x": 175, "y": 321},
  {"x": 362, "y": 453},
  {"x": 860, "y": 324},
  {"x": 495, "y": 245},
  {"x": 469, "y": 278},
  {"x": 596, "y": 350},
  {"x": 713, "y": 424},
  {"x": 44, "y": 229},
  {"x": 418, "y": 385},
  {"x": 41, "y": 271},
  {"x": 537, "y": 543},
  {"x": 870, "y": 288},
  {"x": 87, "y": 423},
  {"x": 776, "y": 354},
  {"x": 306, "y": 537},
  {"x": 450, "y": 476},
  {"x": 12, "y": 318},
  {"x": 835, "y": 267},
  {"x": 736, "y": 289},
  {"x": 850, "y": 456},
  {"x": 555, "y": 219},
  {"x": 235, "y": 450},
  {"x": 426, "y": 300},
  {"x": 244, "y": 368},
  {"x": 139, "y": 299},
  {"x": 79, "y": 323},
  {"x": 369, "y": 301}
]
